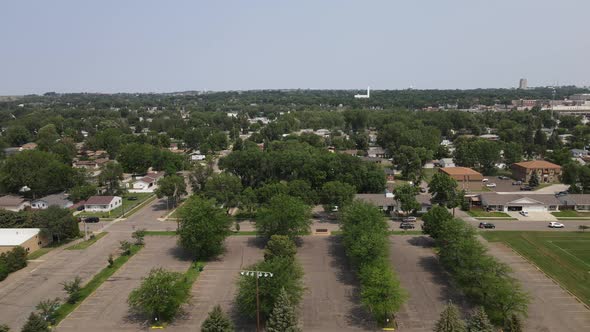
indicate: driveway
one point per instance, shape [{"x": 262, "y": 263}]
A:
[
  {"x": 425, "y": 281},
  {"x": 107, "y": 309},
  {"x": 538, "y": 216},
  {"x": 331, "y": 301},
  {"x": 552, "y": 309}
]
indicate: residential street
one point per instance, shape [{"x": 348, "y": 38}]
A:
[{"x": 42, "y": 279}]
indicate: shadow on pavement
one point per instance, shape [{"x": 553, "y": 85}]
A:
[
  {"x": 421, "y": 241},
  {"x": 358, "y": 316}
]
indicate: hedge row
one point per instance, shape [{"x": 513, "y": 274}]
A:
[
  {"x": 365, "y": 238},
  {"x": 484, "y": 280},
  {"x": 12, "y": 261}
]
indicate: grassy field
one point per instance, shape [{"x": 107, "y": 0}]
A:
[
  {"x": 65, "y": 309},
  {"x": 128, "y": 205},
  {"x": 428, "y": 173},
  {"x": 565, "y": 256},
  {"x": 85, "y": 244},
  {"x": 571, "y": 214},
  {"x": 39, "y": 252},
  {"x": 483, "y": 214}
]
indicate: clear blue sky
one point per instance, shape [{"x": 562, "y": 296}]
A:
[{"x": 162, "y": 46}]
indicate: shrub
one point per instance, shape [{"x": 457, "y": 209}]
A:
[
  {"x": 73, "y": 288},
  {"x": 160, "y": 295}
]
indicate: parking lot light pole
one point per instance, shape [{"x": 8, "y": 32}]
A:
[{"x": 257, "y": 274}]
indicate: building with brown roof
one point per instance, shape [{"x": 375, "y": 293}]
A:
[
  {"x": 467, "y": 177},
  {"x": 546, "y": 172},
  {"x": 13, "y": 203}
]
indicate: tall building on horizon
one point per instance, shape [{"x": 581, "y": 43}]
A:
[{"x": 523, "y": 84}]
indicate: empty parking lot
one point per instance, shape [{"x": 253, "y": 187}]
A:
[
  {"x": 425, "y": 281},
  {"x": 106, "y": 309}
]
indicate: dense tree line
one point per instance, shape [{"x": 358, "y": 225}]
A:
[
  {"x": 366, "y": 241},
  {"x": 300, "y": 161},
  {"x": 12, "y": 261},
  {"x": 483, "y": 279},
  {"x": 55, "y": 222}
]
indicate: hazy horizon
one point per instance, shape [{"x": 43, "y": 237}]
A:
[{"x": 153, "y": 47}]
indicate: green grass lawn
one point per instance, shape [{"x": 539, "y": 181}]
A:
[
  {"x": 160, "y": 233},
  {"x": 128, "y": 205},
  {"x": 65, "y": 309},
  {"x": 483, "y": 214},
  {"x": 571, "y": 214},
  {"x": 565, "y": 256},
  {"x": 39, "y": 252},
  {"x": 85, "y": 244}
]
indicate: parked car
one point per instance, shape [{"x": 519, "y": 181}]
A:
[
  {"x": 409, "y": 219},
  {"x": 486, "y": 225},
  {"x": 422, "y": 189},
  {"x": 91, "y": 219},
  {"x": 523, "y": 213},
  {"x": 526, "y": 188},
  {"x": 502, "y": 177},
  {"x": 485, "y": 180},
  {"x": 561, "y": 193},
  {"x": 132, "y": 198},
  {"x": 406, "y": 225},
  {"x": 554, "y": 224},
  {"x": 516, "y": 183},
  {"x": 491, "y": 185},
  {"x": 80, "y": 208}
]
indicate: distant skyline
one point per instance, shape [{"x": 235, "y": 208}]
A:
[{"x": 155, "y": 46}]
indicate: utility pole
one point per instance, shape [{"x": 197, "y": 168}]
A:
[{"x": 257, "y": 274}]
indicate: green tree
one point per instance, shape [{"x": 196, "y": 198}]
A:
[
  {"x": 513, "y": 324},
  {"x": 47, "y": 137},
  {"x": 512, "y": 153},
  {"x": 125, "y": 247},
  {"x": 283, "y": 317},
  {"x": 4, "y": 328},
  {"x": 534, "y": 180},
  {"x": 336, "y": 193},
  {"x": 444, "y": 190},
  {"x": 48, "y": 309},
  {"x": 280, "y": 246},
  {"x": 203, "y": 227},
  {"x": 159, "y": 296},
  {"x": 217, "y": 321},
  {"x": 35, "y": 324},
  {"x": 381, "y": 292},
  {"x": 479, "y": 322},
  {"x": 82, "y": 192},
  {"x": 17, "y": 135},
  {"x": 287, "y": 274},
  {"x": 110, "y": 176},
  {"x": 405, "y": 195},
  {"x": 199, "y": 176},
  {"x": 224, "y": 188},
  {"x": 73, "y": 288},
  {"x": 284, "y": 215},
  {"x": 248, "y": 200},
  {"x": 136, "y": 158},
  {"x": 409, "y": 163},
  {"x": 450, "y": 320},
  {"x": 434, "y": 221},
  {"x": 172, "y": 187},
  {"x": 139, "y": 236},
  {"x": 59, "y": 223}
]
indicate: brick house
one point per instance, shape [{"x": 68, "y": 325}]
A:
[{"x": 546, "y": 172}]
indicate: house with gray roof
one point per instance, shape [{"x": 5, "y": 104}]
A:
[
  {"x": 60, "y": 200},
  {"x": 578, "y": 202}
]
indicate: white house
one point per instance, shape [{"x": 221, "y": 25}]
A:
[
  {"x": 146, "y": 184},
  {"x": 60, "y": 200},
  {"x": 197, "y": 156},
  {"x": 102, "y": 203},
  {"x": 447, "y": 162}
]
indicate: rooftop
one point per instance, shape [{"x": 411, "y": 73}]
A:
[
  {"x": 99, "y": 200},
  {"x": 55, "y": 199},
  {"x": 536, "y": 164},
  {"x": 16, "y": 236},
  {"x": 10, "y": 200}
]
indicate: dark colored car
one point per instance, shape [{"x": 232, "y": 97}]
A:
[
  {"x": 526, "y": 188},
  {"x": 80, "y": 208},
  {"x": 91, "y": 219},
  {"x": 486, "y": 225},
  {"x": 422, "y": 189},
  {"x": 502, "y": 177},
  {"x": 132, "y": 198},
  {"x": 406, "y": 225},
  {"x": 561, "y": 193}
]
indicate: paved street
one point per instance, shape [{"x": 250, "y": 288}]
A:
[
  {"x": 22, "y": 290},
  {"x": 107, "y": 309},
  {"x": 331, "y": 301},
  {"x": 425, "y": 281},
  {"x": 552, "y": 309},
  {"x": 217, "y": 284}
]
